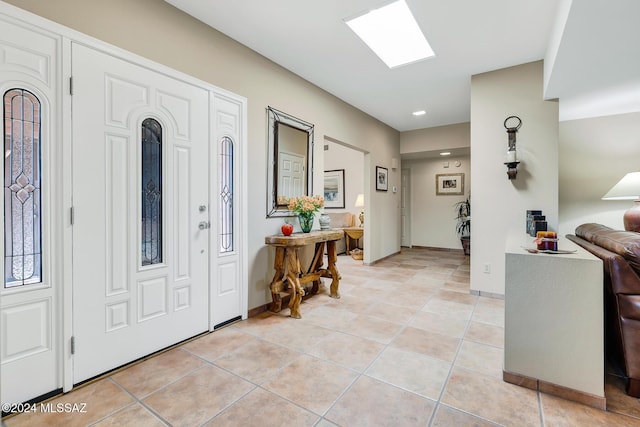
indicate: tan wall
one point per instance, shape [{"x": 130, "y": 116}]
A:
[
  {"x": 337, "y": 157},
  {"x": 595, "y": 153},
  {"x": 499, "y": 205},
  {"x": 436, "y": 138},
  {"x": 433, "y": 222},
  {"x": 156, "y": 30},
  {"x": 432, "y": 219}
]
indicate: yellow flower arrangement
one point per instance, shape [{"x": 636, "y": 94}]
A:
[{"x": 306, "y": 205}]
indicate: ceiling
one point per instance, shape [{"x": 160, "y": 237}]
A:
[{"x": 468, "y": 36}]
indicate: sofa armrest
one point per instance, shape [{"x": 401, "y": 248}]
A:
[
  {"x": 623, "y": 243},
  {"x": 623, "y": 278}
]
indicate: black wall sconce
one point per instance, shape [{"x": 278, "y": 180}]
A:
[{"x": 511, "y": 159}]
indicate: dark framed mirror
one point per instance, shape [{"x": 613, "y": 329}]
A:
[{"x": 290, "y": 160}]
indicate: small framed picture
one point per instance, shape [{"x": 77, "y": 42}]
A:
[
  {"x": 382, "y": 178},
  {"x": 334, "y": 189},
  {"x": 449, "y": 184}
]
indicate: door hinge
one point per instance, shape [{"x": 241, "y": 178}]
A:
[
  {"x": 73, "y": 345},
  {"x": 71, "y": 215},
  {"x": 70, "y": 85}
]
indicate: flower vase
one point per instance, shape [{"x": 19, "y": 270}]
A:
[
  {"x": 306, "y": 221},
  {"x": 325, "y": 221}
]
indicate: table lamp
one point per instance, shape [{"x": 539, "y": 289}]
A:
[
  {"x": 628, "y": 188},
  {"x": 360, "y": 204}
]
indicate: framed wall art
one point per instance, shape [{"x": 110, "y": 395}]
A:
[
  {"x": 449, "y": 184},
  {"x": 334, "y": 189},
  {"x": 382, "y": 178}
]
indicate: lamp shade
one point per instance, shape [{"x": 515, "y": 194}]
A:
[
  {"x": 628, "y": 188},
  {"x": 360, "y": 201}
]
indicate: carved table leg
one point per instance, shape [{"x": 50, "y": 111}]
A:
[
  {"x": 347, "y": 240},
  {"x": 276, "y": 285},
  {"x": 293, "y": 274},
  {"x": 316, "y": 265},
  {"x": 332, "y": 258}
]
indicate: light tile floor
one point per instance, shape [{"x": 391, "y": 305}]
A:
[{"x": 405, "y": 345}]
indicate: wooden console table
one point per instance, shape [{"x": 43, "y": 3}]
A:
[
  {"x": 289, "y": 278},
  {"x": 353, "y": 233}
]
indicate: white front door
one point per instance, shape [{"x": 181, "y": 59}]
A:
[
  {"x": 141, "y": 215},
  {"x": 30, "y": 350}
]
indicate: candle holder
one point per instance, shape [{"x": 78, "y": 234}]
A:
[{"x": 512, "y": 157}]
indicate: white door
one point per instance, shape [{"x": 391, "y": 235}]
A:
[
  {"x": 140, "y": 267},
  {"x": 226, "y": 290},
  {"x": 405, "y": 210},
  {"x": 30, "y": 351},
  {"x": 291, "y": 173}
]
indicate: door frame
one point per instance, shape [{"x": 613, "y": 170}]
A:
[
  {"x": 62, "y": 165},
  {"x": 405, "y": 203}
]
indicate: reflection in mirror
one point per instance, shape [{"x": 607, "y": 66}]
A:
[{"x": 290, "y": 160}]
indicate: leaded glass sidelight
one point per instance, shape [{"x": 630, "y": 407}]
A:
[
  {"x": 22, "y": 197},
  {"x": 226, "y": 195},
  {"x": 151, "y": 192}
]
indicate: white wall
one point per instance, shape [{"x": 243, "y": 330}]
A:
[
  {"x": 433, "y": 221},
  {"x": 499, "y": 205},
  {"x": 449, "y": 137},
  {"x": 594, "y": 154},
  {"x": 339, "y": 156},
  {"x": 158, "y": 31},
  {"x": 432, "y": 217}
]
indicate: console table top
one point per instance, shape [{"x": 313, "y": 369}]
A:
[{"x": 302, "y": 239}]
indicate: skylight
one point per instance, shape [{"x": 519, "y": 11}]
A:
[{"x": 392, "y": 33}]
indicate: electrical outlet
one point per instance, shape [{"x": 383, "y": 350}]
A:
[{"x": 486, "y": 269}]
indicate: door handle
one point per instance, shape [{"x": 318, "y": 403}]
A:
[{"x": 203, "y": 225}]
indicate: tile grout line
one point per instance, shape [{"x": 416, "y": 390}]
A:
[
  {"x": 453, "y": 361},
  {"x": 136, "y": 400},
  {"x": 461, "y": 339},
  {"x": 254, "y": 384},
  {"x": 540, "y": 409},
  {"x": 439, "y": 402},
  {"x": 365, "y": 369}
]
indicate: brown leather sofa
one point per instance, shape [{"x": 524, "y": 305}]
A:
[{"x": 620, "y": 254}]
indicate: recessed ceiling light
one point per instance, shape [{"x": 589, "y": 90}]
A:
[
  {"x": 419, "y": 113},
  {"x": 445, "y": 153},
  {"x": 392, "y": 33}
]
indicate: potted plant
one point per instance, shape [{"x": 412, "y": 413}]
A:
[{"x": 463, "y": 224}]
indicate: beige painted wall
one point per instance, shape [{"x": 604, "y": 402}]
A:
[
  {"x": 594, "y": 154},
  {"x": 156, "y": 30},
  {"x": 436, "y": 138},
  {"x": 500, "y": 205},
  {"x": 433, "y": 221}
]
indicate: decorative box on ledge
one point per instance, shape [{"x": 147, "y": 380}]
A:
[
  {"x": 535, "y": 222},
  {"x": 547, "y": 241}
]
